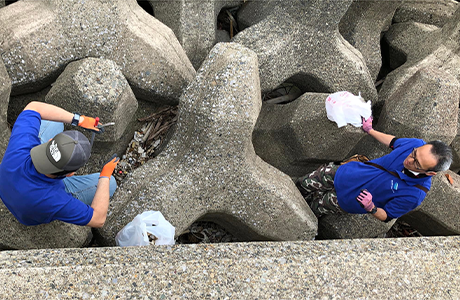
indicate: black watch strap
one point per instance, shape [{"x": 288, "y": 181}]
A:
[
  {"x": 373, "y": 211},
  {"x": 76, "y": 119}
]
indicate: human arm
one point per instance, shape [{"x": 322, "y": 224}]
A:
[
  {"x": 101, "y": 198},
  {"x": 54, "y": 113},
  {"x": 100, "y": 203},
  {"x": 379, "y": 136}
]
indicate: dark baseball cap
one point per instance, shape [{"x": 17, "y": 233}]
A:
[{"x": 67, "y": 151}]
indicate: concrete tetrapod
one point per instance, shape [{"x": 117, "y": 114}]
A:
[
  {"x": 209, "y": 169},
  {"x": 193, "y": 22},
  {"x": 39, "y": 38},
  {"x": 5, "y": 90},
  {"x": 299, "y": 42}
]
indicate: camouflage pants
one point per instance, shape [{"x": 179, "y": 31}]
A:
[{"x": 318, "y": 190}]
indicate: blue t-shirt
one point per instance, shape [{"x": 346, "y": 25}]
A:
[
  {"x": 30, "y": 196},
  {"x": 396, "y": 196}
]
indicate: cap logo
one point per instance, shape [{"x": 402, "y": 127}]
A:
[{"x": 54, "y": 150}]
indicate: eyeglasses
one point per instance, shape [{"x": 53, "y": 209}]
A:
[{"x": 417, "y": 165}]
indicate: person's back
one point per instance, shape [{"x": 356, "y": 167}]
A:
[
  {"x": 36, "y": 175},
  {"x": 32, "y": 197}
]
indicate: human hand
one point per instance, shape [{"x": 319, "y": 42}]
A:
[
  {"x": 109, "y": 166},
  {"x": 367, "y": 124},
  {"x": 365, "y": 200},
  {"x": 89, "y": 123}
]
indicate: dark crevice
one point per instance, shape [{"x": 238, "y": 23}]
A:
[
  {"x": 226, "y": 20},
  {"x": 294, "y": 87},
  {"x": 10, "y": 2},
  {"x": 146, "y": 6}
]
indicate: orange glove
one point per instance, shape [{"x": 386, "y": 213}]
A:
[
  {"x": 89, "y": 123},
  {"x": 109, "y": 166}
]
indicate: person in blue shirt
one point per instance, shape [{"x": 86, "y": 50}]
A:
[
  {"x": 387, "y": 187},
  {"x": 36, "y": 174}
]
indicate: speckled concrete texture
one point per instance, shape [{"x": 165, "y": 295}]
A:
[
  {"x": 209, "y": 169},
  {"x": 42, "y": 37},
  {"x": 362, "y": 27},
  {"x": 96, "y": 87},
  {"x": 299, "y": 42},
  {"x": 193, "y": 22},
  {"x": 294, "y": 136},
  {"x": 411, "y": 268},
  {"x": 440, "y": 53},
  {"x": 425, "y": 106},
  {"x": 428, "y": 12},
  {"x": 350, "y": 226},
  {"x": 253, "y": 12},
  {"x": 5, "y": 90},
  {"x": 408, "y": 40},
  {"x": 56, "y": 234},
  {"x": 437, "y": 215}
]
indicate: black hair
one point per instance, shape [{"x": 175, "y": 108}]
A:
[{"x": 443, "y": 154}]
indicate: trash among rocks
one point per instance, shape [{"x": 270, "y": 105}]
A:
[
  {"x": 148, "y": 228},
  {"x": 344, "y": 107},
  {"x": 205, "y": 232},
  {"x": 402, "y": 229},
  {"x": 285, "y": 93},
  {"x": 147, "y": 141},
  {"x": 449, "y": 178},
  {"x": 226, "y": 20}
]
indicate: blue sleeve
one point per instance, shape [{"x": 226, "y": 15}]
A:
[
  {"x": 24, "y": 135},
  {"x": 397, "y": 207},
  {"x": 407, "y": 142},
  {"x": 75, "y": 212}
]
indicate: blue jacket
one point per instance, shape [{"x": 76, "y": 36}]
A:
[
  {"x": 396, "y": 196},
  {"x": 30, "y": 196}
]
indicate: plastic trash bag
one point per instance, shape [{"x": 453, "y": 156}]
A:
[
  {"x": 147, "y": 224},
  {"x": 344, "y": 107}
]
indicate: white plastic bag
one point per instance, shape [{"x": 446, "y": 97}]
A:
[
  {"x": 135, "y": 233},
  {"x": 344, "y": 107}
]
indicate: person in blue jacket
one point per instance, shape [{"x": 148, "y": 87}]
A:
[
  {"x": 387, "y": 187},
  {"x": 36, "y": 174}
]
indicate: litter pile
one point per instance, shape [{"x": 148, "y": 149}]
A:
[{"x": 147, "y": 142}]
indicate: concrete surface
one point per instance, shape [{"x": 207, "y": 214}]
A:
[{"x": 405, "y": 268}]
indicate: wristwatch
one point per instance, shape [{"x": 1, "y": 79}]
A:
[
  {"x": 373, "y": 211},
  {"x": 75, "y": 120}
]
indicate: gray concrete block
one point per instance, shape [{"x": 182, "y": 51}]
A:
[
  {"x": 438, "y": 213},
  {"x": 408, "y": 40},
  {"x": 252, "y": 12},
  {"x": 209, "y": 170},
  {"x": 438, "y": 52},
  {"x": 428, "y": 12},
  {"x": 362, "y": 26},
  {"x": 299, "y": 43},
  {"x": 293, "y": 136},
  {"x": 5, "y": 91},
  {"x": 403, "y": 268},
  {"x": 425, "y": 106},
  {"x": 96, "y": 88},
  {"x": 351, "y": 226},
  {"x": 147, "y": 51},
  {"x": 193, "y": 22},
  {"x": 56, "y": 234}
]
